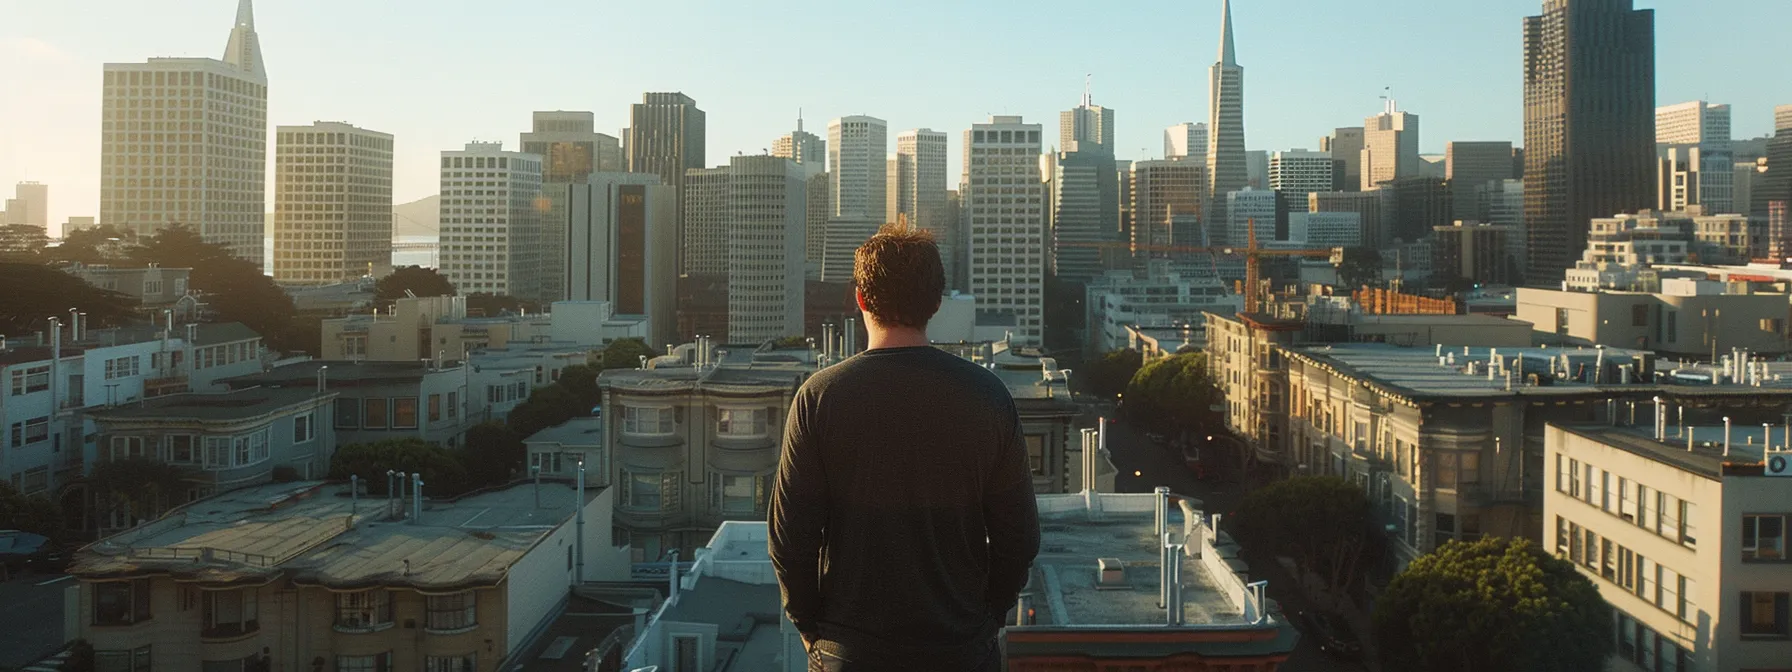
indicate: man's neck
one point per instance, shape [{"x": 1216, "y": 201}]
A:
[{"x": 878, "y": 338}]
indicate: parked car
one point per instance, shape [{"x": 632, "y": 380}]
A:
[{"x": 1333, "y": 634}]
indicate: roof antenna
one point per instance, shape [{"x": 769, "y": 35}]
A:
[
  {"x": 1387, "y": 100},
  {"x": 799, "y": 120},
  {"x": 1087, "y": 80}
]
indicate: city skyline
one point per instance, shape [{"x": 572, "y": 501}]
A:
[{"x": 408, "y": 84}]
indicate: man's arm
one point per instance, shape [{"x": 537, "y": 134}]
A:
[
  {"x": 798, "y": 519},
  {"x": 1013, "y": 519}
]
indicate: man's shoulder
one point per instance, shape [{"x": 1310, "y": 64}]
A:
[{"x": 879, "y": 369}]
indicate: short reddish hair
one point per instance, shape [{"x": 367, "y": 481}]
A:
[{"x": 899, "y": 276}]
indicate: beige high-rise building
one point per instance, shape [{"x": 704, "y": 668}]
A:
[
  {"x": 1472, "y": 168},
  {"x": 857, "y": 168},
  {"x": 1163, "y": 191},
  {"x": 491, "y": 237},
  {"x": 184, "y": 142},
  {"x": 1185, "y": 140},
  {"x": 571, "y": 150},
  {"x": 29, "y": 206},
  {"x": 1005, "y": 208},
  {"x": 1346, "y": 146},
  {"x": 745, "y": 227},
  {"x": 332, "y": 203},
  {"x": 1390, "y": 146},
  {"x": 919, "y": 188},
  {"x": 802, "y": 147},
  {"x": 1693, "y": 123}
]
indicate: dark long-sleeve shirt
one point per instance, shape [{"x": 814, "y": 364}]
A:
[{"x": 903, "y": 521}]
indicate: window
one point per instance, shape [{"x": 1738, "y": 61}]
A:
[
  {"x": 29, "y": 380},
  {"x": 1763, "y": 537},
  {"x": 348, "y": 413},
  {"x": 127, "y": 447},
  {"x": 1764, "y": 615},
  {"x": 1036, "y": 453},
  {"x": 217, "y": 452},
  {"x": 1688, "y": 532},
  {"x": 1562, "y": 477},
  {"x": 1639, "y": 315},
  {"x": 123, "y": 660},
  {"x": 741, "y": 422},
  {"x": 1608, "y": 560},
  {"x": 1562, "y": 321},
  {"x": 122, "y": 367},
  {"x": 650, "y": 491},
  {"x": 404, "y": 413},
  {"x": 435, "y": 407},
  {"x": 364, "y": 610},
  {"x": 466, "y": 663},
  {"x": 646, "y": 420},
  {"x": 1626, "y": 505},
  {"x": 250, "y": 448},
  {"x": 453, "y": 404},
  {"x": 30, "y": 431},
  {"x": 1574, "y": 543},
  {"x": 183, "y": 449},
  {"x": 302, "y": 430},
  {"x": 1574, "y": 478},
  {"x": 1688, "y": 606},
  {"x": 376, "y": 417},
  {"x": 451, "y": 612},
  {"x": 121, "y": 602},
  {"x": 379, "y": 662},
  {"x": 228, "y": 613},
  {"x": 737, "y": 493},
  {"x": 1669, "y": 525}
]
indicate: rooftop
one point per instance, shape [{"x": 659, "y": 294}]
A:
[
  {"x": 238, "y": 405},
  {"x": 315, "y": 533},
  {"x": 575, "y": 432},
  {"x": 1697, "y": 450},
  {"x": 341, "y": 372},
  {"x": 1417, "y": 371}
]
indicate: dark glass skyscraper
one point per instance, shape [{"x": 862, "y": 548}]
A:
[{"x": 1589, "y": 124}]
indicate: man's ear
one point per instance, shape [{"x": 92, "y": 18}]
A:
[{"x": 859, "y": 296}]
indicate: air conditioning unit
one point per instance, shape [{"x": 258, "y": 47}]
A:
[{"x": 1779, "y": 464}]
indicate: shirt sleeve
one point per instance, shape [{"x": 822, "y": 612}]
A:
[
  {"x": 798, "y": 518},
  {"x": 1012, "y": 515}
]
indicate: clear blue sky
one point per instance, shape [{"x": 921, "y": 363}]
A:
[{"x": 441, "y": 72}]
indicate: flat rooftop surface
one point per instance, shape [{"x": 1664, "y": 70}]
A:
[
  {"x": 575, "y": 432},
  {"x": 746, "y": 616},
  {"x": 238, "y": 405},
  {"x": 1706, "y": 458},
  {"x": 341, "y": 371},
  {"x": 1451, "y": 320},
  {"x": 1066, "y": 571},
  {"x": 305, "y": 529}
]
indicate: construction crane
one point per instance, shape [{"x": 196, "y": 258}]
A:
[{"x": 1253, "y": 289}]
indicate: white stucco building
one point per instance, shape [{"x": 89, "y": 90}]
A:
[
  {"x": 1004, "y": 205},
  {"x": 491, "y": 235},
  {"x": 856, "y": 166}
]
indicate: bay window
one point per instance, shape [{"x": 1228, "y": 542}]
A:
[
  {"x": 647, "y": 420},
  {"x": 365, "y": 610},
  {"x": 121, "y": 602},
  {"x": 228, "y": 613},
  {"x": 456, "y": 611},
  {"x": 741, "y": 422},
  {"x": 127, "y": 447},
  {"x": 379, "y": 662}
]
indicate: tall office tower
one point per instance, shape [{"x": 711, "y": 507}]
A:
[
  {"x": 584, "y": 237},
  {"x": 1226, "y": 164},
  {"x": 332, "y": 203},
  {"x": 1256, "y": 169},
  {"x": 1084, "y": 214},
  {"x": 1296, "y": 173},
  {"x": 1248, "y": 209},
  {"x": 1003, "y": 201},
  {"x": 857, "y": 146},
  {"x": 1589, "y": 140},
  {"x": 1346, "y": 146},
  {"x": 184, "y": 142},
  {"x": 957, "y": 266},
  {"x": 919, "y": 187},
  {"x": 1694, "y": 157},
  {"x": 1419, "y": 205},
  {"x": 30, "y": 206},
  {"x": 1086, "y": 128},
  {"x": 703, "y": 241},
  {"x": 666, "y": 136},
  {"x": 841, "y": 238},
  {"x": 1773, "y": 179},
  {"x": 1471, "y": 167},
  {"x": 815, "y": 222},
  {"x": 491, "y": 237},
  {"x": 621, "y": 246},
  {"x": 571, "y": 150},
  {"x": 1390, "y": 146},
  {"x": 1367, "y": 206},
  {"x": 764, "y": 239},
  {"x": 1185, "y": 140},
  {"x": 1162, "y": 191},
  {"x": 802, "y": 147}
]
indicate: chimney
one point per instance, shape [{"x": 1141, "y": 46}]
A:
[
  {"x": 852, "y": 337},
  {"x": 416, "y": 497},
  {"x": 1173, "y": 592},
  {"x": 1726, "y": 436},
  {"x": 1163, "y": 509}
]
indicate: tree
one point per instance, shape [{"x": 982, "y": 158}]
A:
[
  {"x": 581, "y": 381},
  {"x": 144, "y": 486},
  {"x": 28, "y": 513},
  {"x": 443, "y": 473},
  {"x": 97, "y": 245},
  {"x": 548, "y": 406},
  {"x": 1109, "y": 375},
  {"x": 493, "y": 454},
  {"x": 1175, "y": 394},
  {"x": 237, "y": 290},
  {"x": 1360, "y": 267},
  {"x": 1323, "y": 523},
  {"x": 417, "y": 280},
  {"x": 51, "y": 294},
  {"x": 626, "y": 353},
  {"x": 1489, "y": 606},
  {"x": 22, "y": 242}
]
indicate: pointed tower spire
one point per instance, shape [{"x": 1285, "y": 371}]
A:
[
  {"x": 1228, "y": 56},
  {"x": 799, "y": 120},
  {"x": 1088, "y": 99},
  {"x": 244, "y": 49}
]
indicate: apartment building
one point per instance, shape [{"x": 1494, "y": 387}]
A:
[
  {"x": 332, "y": 203},
  {"x": 1686, "y": 317},
  {"x": 1683, "y": 530},
  {"x": 376, "y": 401},
  {"x": 492, "y": 236},
  {"x": 438, "y": 327},
  {"x": 1005, "y": 213},
  {"x": 154, "y": 288},
  {"x": 309, "y": 576},
  {"x": 1155, "y": 296}
]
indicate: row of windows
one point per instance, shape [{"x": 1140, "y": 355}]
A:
[
  {"x": 384, "y": 413},
  {"x": 1668, "y": 590},
  {"x": 1671, "y": 517}
]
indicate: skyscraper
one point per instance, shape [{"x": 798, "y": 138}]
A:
[
  {"x": 1086, "y": 128},
  {"x": 571, "y": 150},
  {"x": 666, "y": 136},
  {"x": 1161, "y": 192},
  {"x": 1693, "y": 123},
  {"x": 1471, "y": 167},
  {"x": 491, "y": 237},
  {"x": 1185, "y": 140},
  {"x": 1390, "y": 146},
  {"x": 802, "y": 147},
  {"x": 31, "y": 201},
  {"x": 921, "y": 187},
  {"x": 621, "y": 246},
  {"x": 332, "y": 203},
  {"x": 1346, "y": 147},
  {"x": 203, "y": 164},
  {"x": 766, "y": 202},
  {"x": 1296, "y": 173},
  {"x": 1589, "y": 136},
  {"x": 1695, "y": 165},
  {"x": 1004, "y": 203},
  {"x": 856, "y": 168},
  {"x": 1085, "y": 191},
  {"x": 1226, "y": 169}
]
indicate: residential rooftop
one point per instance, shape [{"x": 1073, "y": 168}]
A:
[
  {"x": 342, "y": 372},
  {"x": 237, "y": 405},
  {"x": 587, "y": 431},
  {"x": 1697, "y": 450},
  {"x": 1459, "y": 371},
  {"x": 314, "y": 532}
]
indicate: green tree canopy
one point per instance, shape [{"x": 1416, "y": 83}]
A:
[
  {"x": 493, "y": 454},
  {"x": 1109, "y": 374},
  {"x": 625, "y": 353},
  {"x": 51, "y": 293},
  {"x": 1175, "y": 394},
  {"x": 29, "y": 513},
  {"x": 237, "y": 290},
  {"x": 416, "y": 279},
  {"x": 1494, "y": 605},
  {"x": 22, "y": 242},
  {"x": 90, "y": 246},
  {"x": 1323, "y": 523},
  {"x": 1361, "y": 267},
  {"x": 144, "y": 486},
  {"x": 443, "y": 473}
]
